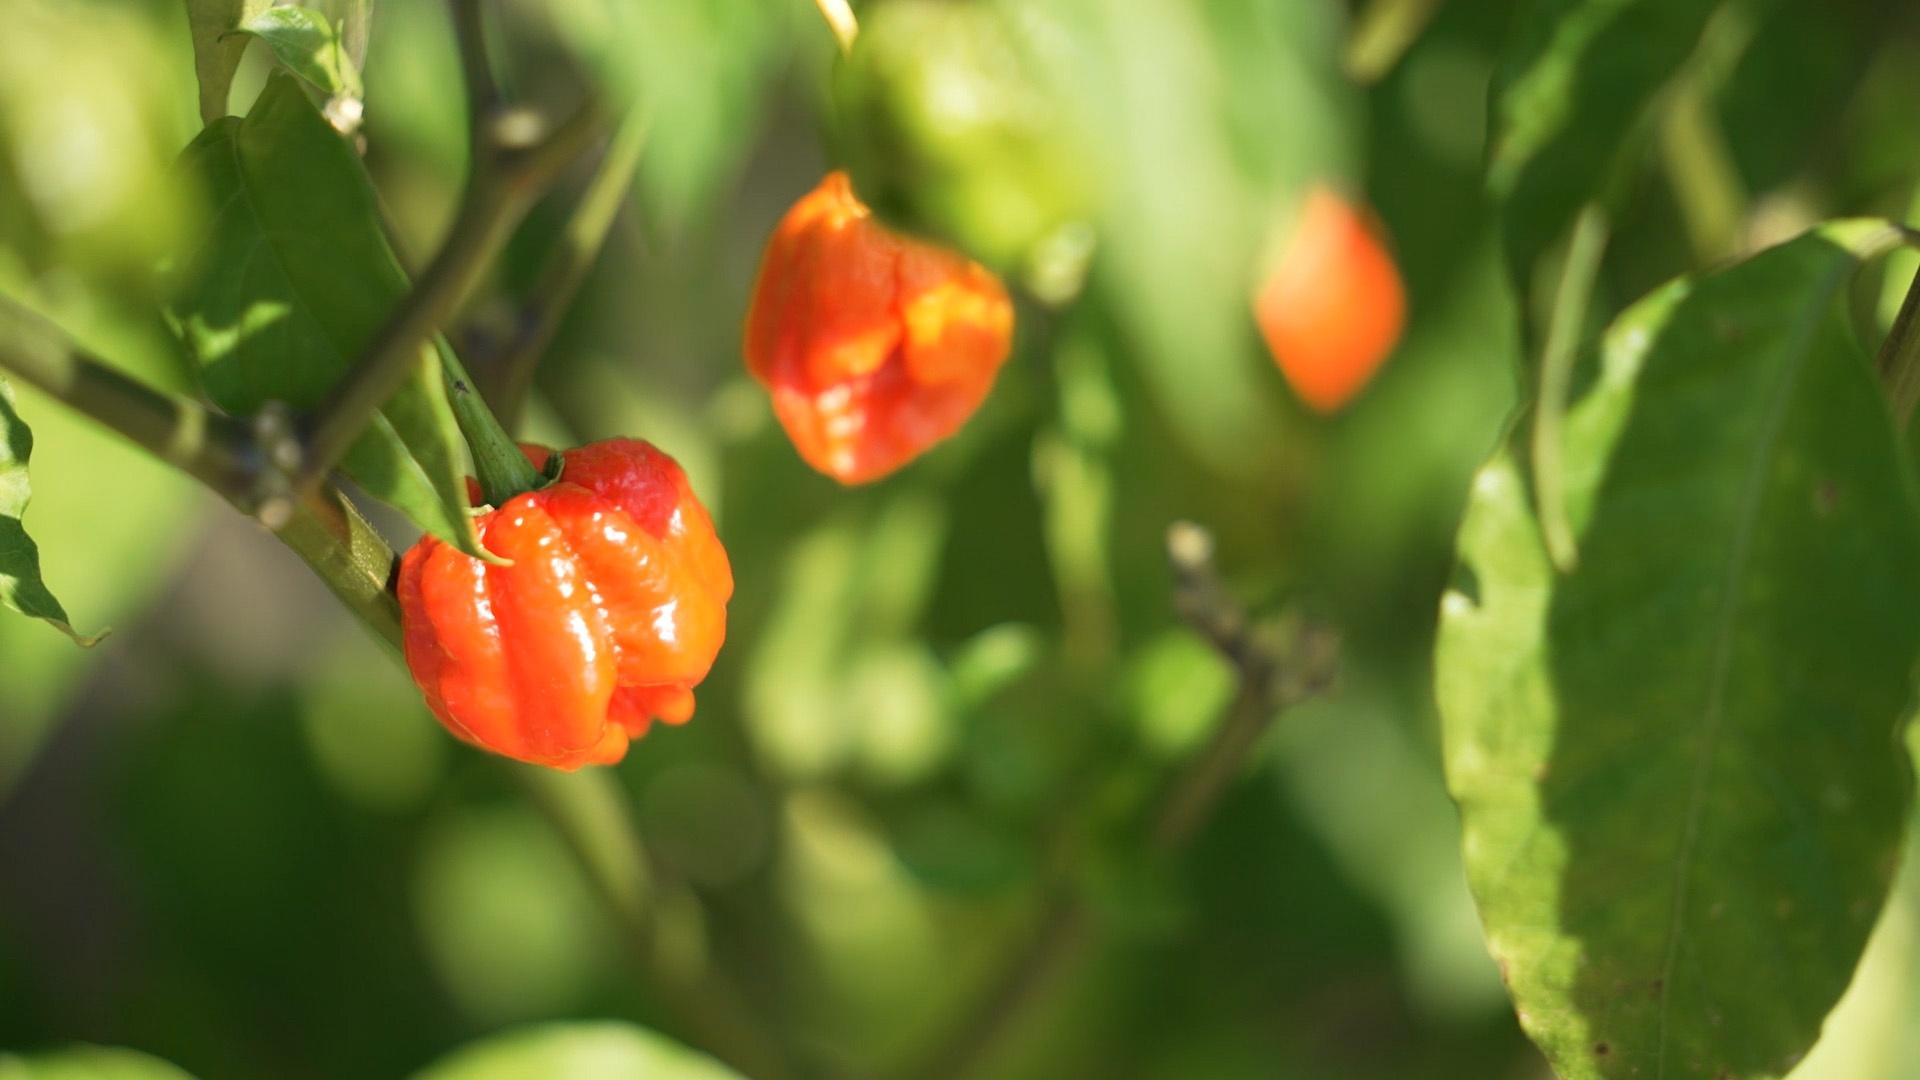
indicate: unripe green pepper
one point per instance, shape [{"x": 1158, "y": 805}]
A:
[{"x": 947, "y": 125}]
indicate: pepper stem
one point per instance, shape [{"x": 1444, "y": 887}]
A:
[{"x": 502, "y": 469}]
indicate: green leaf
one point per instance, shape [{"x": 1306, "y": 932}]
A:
[
  {"x": 353, "y": 22},
  {"x": 112, "y": 522},
  {"x": 1577, "y": 81},
  {"x": 293, "y": 277},
  {"x": 305, "y": 42},
  {"x": 216, "y": 54},
  {"x": 89, "y": 1063},
  {"x": 578, "y": 1052},
  {"x": 1679, "y": 764},
  {"x": 20, "y": 586}
]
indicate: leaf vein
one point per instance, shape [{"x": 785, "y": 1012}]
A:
[{"x": 1713, "y": 721}]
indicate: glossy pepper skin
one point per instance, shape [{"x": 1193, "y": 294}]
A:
[
  {"x": 873, "y": 345},
  {"x": 612, "y": 610},
  {"x": 1332, "y": 307}
]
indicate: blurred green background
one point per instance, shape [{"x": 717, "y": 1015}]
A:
[{"x": 232, "y": 837}]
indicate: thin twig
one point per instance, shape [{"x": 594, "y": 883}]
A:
[
  {"x": 515, "y": 157},
  {"x": 1278, "y": 665},
  {"x": 507, "y": 377},
  {"x": 476, "y": 67}
]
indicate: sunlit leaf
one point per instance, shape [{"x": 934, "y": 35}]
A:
[
  {"x": 89, "y": 1063},
  {"x": 304, "y": 41},
  {"x": 578, "y": 1052},
  {"x": 293, "y": 277},
  {"x": 20, "y": 586},
  {"x": 1678, "y": 765},
  {"x": 111, "y": 522}
]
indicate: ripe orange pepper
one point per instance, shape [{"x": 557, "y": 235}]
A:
[
  {"x": 612, "y": 610},
  {"x": 1332, "y": 308},
  {"x": 873, "y": 345}
]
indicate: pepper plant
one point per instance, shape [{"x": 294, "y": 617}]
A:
[{"x": 1209, "y": 537}]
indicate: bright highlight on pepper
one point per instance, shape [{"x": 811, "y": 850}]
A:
[
  {"x": 873, "y": 345},
  {"x": 611, "y": 612}
]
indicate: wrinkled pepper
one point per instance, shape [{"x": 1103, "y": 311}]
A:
[
  {"x": 873, "y": 345},
  {"x": 611, "y": 611}
]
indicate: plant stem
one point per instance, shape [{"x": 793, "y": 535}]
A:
[
  {"x": 476, "y": 68},
  {"x": 1899, "y": 359},
  {"x": 1565, "y": 329},
  {"x": 349, "y": 555},
  {"x": 212, "y": 448},
  {"x": 322, "y": 528},
  {"x": 1278, "y": 666},
  {"x": 503, "y": 470},
  {"x": 509, "y": 376},
  {"x": 515, "y": 158},
  {"x": 1700, "y": 169}
]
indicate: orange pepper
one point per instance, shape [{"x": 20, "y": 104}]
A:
[
  {"x": 873, "y": 345},
  {"x": 1332, "y": 308},
  {"x": 612, "y": 610}
]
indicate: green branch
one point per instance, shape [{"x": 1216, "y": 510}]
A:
[
  {"x": 516, "y": 156},
  {"x": 345, "y": 551},
  {"x": 322, "y": 527},
  {"x": 213, "y": 448},
  {"x": 509, "y": 376}
]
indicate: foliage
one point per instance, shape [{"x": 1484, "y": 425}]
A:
[{"x": 980, "y": 782}]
